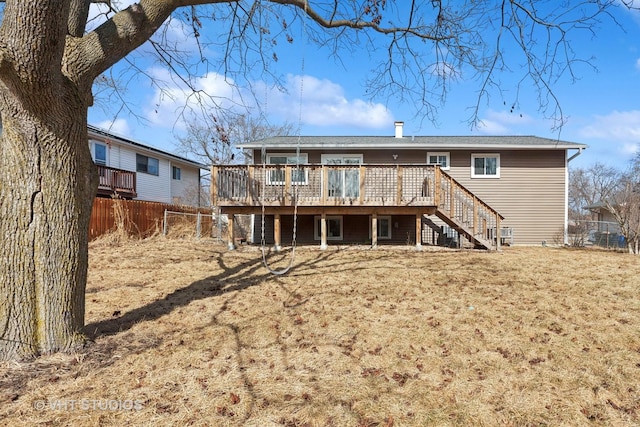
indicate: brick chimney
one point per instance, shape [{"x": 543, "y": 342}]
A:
[{"x": 399, "y": 129}]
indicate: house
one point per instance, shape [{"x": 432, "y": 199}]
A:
[
  {"x": 137, "y": 171},
  {"x": 483, "y": 191},
  {"x": 605, "y": 231}
]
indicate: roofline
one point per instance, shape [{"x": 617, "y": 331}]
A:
[
  {"x": 571, "y": 146},
  {"x": 105, "y": 133},
  {"x": 410, "y": 143}
]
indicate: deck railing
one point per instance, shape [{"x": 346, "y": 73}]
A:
[
  {"x": 412, "y": 185},
  {"x": 324, "y": 185},
  {"x": 465, "y": 209},
  {"x": 116, "y": 181}
]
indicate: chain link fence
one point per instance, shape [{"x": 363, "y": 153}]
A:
[
  {"x": 200, "y": 225},
  {"x": 595, "y": 233}
]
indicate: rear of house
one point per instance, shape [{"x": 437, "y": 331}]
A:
[{"x": 432, "y": 190}]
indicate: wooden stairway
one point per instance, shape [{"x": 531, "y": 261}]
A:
[{"x": 463, "y": 211}]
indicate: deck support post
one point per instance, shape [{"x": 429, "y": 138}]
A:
[
  {"x": 419, "y": 232},
  {"x": 323, "y": 231},
  {"x": 374, "y": 230},
  {"x": 276, "y": 233},
  {"x": 498, "y": 232},
  {"x": 230, "y": 239}
]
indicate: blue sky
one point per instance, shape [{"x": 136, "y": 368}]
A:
[{"x": 327, "y": 97}]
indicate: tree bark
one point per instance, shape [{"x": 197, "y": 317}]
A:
[{"x": 44, "y": 220}]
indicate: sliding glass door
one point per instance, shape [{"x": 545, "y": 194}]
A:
[{"x": 343, "y": 182}]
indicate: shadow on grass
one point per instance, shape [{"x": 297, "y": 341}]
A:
[{"x": 230, "y": 279}]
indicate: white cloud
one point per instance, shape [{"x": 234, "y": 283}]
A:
[
  {"x": 638, "y": 63},
  {"x": 502, "y": 122},
  {"x": 314, "y": 101},
  {"x": 117, "y": 126},
  {"x": 618, "y": 128},
  {"x": 321, "y": 102},
  {"x": 490, "y": 127},
  {"x": 167, "y": 107}
]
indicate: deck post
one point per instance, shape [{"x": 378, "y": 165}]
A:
[
  {"x": 249, "y": 184},
  {"x": 498, "y": 232},
  {"x": 438, "y": 188},
  {"x": 419, "y": 232},
  {"x": 452, "y": 199},
  {"x": 325, "y": 185},
  {"x": 374, "y": 230},
  {"x": 230, "y": 239},
  {"x": 362, "y": 181},
  {"x": 399, "y": 188},
  {"x": 287, "y": 185},
  {"x": 323, "y": 231},
  {"x": 475, "y": 216},
  {"x": 276, "y": 233}
]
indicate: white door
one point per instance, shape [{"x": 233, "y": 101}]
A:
[{"x": 343, "y": 182}]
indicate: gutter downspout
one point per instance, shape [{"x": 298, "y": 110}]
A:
[
  {"x": 566, "y": 193},
  {"x": 575, "y": 155}
]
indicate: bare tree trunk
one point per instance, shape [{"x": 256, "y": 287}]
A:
[{"x": 44, "y": 223}]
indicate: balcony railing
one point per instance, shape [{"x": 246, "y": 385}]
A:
[{"x": 116, "y": 182}]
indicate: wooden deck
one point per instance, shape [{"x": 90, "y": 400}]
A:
[
  {"x": 415, "y": 189},
  {"x": 116, "y": 182}
]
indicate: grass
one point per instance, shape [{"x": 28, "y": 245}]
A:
[{"x": 187, "y": 333}]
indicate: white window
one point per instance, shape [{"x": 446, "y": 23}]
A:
[
  {"x": 440, "y": 159},
  {"x": 99, "y": 154},
  {"x": 485, "y": 165},
  {"x": 384, "y": 227},
  {"x": 298, "y": 175},
  {"x": 334, "y": 227}
]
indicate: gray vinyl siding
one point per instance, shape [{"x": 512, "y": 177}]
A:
[{"x": 530, "y": 192}]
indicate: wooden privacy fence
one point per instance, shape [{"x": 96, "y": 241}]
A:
[{"x": 137, "y": 217}]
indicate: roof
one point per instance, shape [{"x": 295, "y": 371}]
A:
[
  {"x": 98, "y": 132},
  {"x": 412, "y": 142}
]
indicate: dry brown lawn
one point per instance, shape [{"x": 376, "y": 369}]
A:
[{"x": 187, "y": 333}]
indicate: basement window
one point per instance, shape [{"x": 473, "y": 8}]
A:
[
  {"x": 334, "y": 227},
  {"x": 384, "y": 227}
]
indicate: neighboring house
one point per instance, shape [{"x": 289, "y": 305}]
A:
[
  {"x": 606, "y": 231},
  {"x": 137, "y": 171},
  {"x": 398, "y": 189},
  {"x": 605, "y": 216}
]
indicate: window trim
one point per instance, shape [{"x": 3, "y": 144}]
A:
[
  {"x": 447, "y": 154},
  {"x": 106, "y": 153},
  {"x": 138, "y": 156},
  {"x": 382, "y": 217},
  {"x": 316, "y": 227},
  {"x": 303, "y": 159},
  {"x": 475, "y": 156}
]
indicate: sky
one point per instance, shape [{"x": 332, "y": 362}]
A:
[{"x": 322, "y": 95}]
